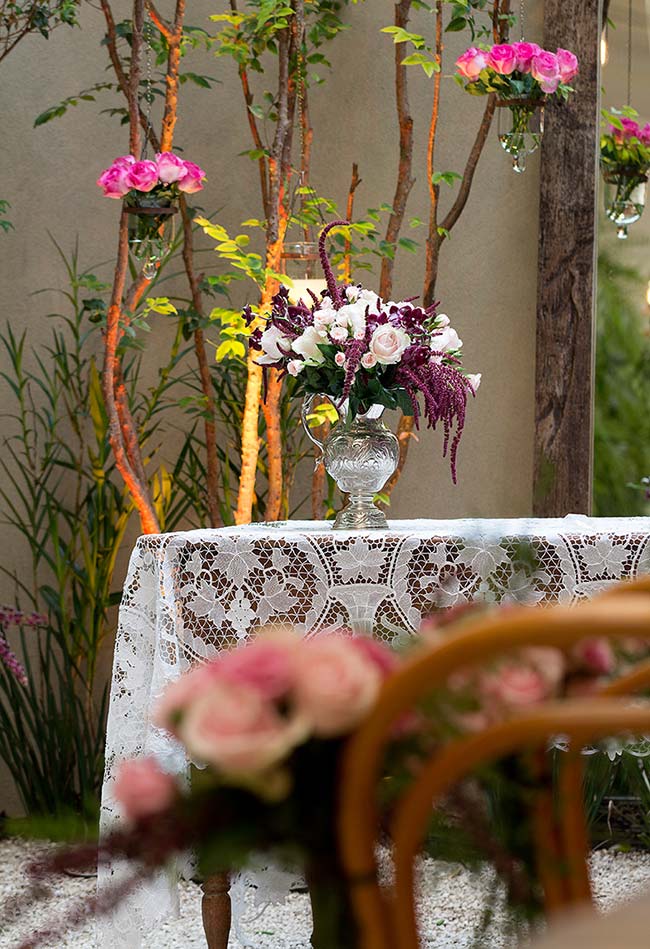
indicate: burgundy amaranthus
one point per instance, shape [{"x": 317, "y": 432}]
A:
[{"x": 9, "y": 616}]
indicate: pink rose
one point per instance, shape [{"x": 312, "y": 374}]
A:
[
  {"x": 176, "y": 698},
  {"x": 472, "y": 63},
  {"x": 503, "y": 59},
  {"x": 514, "y": 684},
  {"x": 596, "y": 655},
  {"x": 630, "y": 128},
  {"x": 113, "y": 181},
  {"x": 267, "y": 664},
  {"x": 382, "y": 657},
  {"x": 388, "y": 343},
  {"x": 549, "y": 662},
  {"x": 567, "y": 64},
  {"x": 143, "y": 789},
  {"x": 339, "y": 359},
  {"x": 524, "y": 53},
  {"x": 142, "y": 175},
  {"x": 191, "y": 179},
  {"x": 124, "y": 161},
  {"x": 545, "y": 69},
  {"x": 368, "y": 361},
  {"x": 336, "y": 685},
  {"x": 644, "y": 134},
  {"x": 235, "y": 729},
  {"x": 170, "y": 167}
]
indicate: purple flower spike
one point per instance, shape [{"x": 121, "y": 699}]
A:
[{"x": 335, "y": 293}]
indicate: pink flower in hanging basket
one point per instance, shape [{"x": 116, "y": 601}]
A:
[
  {"x": 472, "y": 62},
  {"x": 546, "y": 70},
  {"x": 192, "y": 180},
  {"x": 567, "y": 64},
  {"x": 503, "y": 59},
  {"x": 142, "y": 175},
  {"x": 525, "y": 53},
  {"x": 170, "y": 167},
  {"x": 113, "y": 180}
]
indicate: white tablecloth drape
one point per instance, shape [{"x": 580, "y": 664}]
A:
[{"x": 190, "y": 594}]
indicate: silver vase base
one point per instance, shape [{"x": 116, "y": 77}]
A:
[{"x": 361, "y": 513}]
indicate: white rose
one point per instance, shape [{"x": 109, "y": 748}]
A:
[
  {"x": 446, "y": 341},
  {"x": 324, "y": 317},
  {"x": 368, "y": 360},
  {"x": 371, "y": 299},
  {"x": 353, "y": 315},
  {"x": 294, "y": 366},
  {"x": 442, "y": 320},
  {"x": 474, "y": 379},
  {"x": 274, "y": 345},
  {"x": 339, "y": 334},
  {"x": 307, "y": 345},
  {"x": 388, "y": 343},
  {"x": 352, "y": 293}
]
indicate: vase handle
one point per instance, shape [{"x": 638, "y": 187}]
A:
[{"x": 307, "y": 404}]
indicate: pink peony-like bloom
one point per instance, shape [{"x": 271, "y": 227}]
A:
[
  {"x": 267, "y": 664},
  {"x": 142, "y": 175},
  {"x": 191, "y": 180},
  {"x": 235, "y": 729},
  {"x": 596, "y": 655},
  {"x": 503, "y": 59},
  {"x": 170, "y": 167},
  {"x": 114, "y": 181},
  {"x": 143, "y": 788},
  {"x": 567, "y": 64},
  {"x": 472, "y": 63},
  {"x": 177, "y": 697},
  {"x": 336, "y": 685},
  {"x": 524, "y": 53},
  {"x": 545, "y": 69}
]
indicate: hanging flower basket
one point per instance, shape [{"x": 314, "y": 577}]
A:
[
  {"x": 520, "y": 124},
  {"x": 625, "y": 163},
  {"x": 150, "y": 192},
  {"x": 522, "y": 76}
]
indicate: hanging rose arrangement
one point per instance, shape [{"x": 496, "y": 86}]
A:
[
  {"x": 149, "y": 189},
  {"x": 625, "y": 161},
  {"x": 522, "y": 75}
]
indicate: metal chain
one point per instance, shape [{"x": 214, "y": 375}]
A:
[
  {"x": 629, "y": 53},
  {"x": 521, "y": 19},
  {"x": 148, "y": 85}
]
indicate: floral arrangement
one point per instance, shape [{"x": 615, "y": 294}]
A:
[
  {"x": 517, "y": 71},
  {"x": 353, "y": 346},
  {"x": 166, "y": 176},
  {"x": 10, "y": 616},
  {"x": 624, "y": 144}
]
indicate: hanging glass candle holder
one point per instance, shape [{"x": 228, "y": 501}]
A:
[
  {"x": 151, "y": 228},
  {"x": 624, "y": 198},
  {"x": 300, "y": 263},
  {"x": 520, "y": 128}
]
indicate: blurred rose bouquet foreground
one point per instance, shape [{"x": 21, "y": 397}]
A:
[{"x": 265, "y": 726}]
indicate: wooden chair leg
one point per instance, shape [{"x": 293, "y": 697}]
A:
[{"x": 215, "y": 908}]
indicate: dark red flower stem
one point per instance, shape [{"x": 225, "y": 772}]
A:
[{"x": 334, "y": 292}]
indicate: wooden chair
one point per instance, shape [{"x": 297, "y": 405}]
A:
[{"x": 388, "y": 923}]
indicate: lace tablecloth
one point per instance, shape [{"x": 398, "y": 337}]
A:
[{"x": 190, "y": 594}]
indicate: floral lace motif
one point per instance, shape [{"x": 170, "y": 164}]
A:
[{"x": 189, "y": 595}]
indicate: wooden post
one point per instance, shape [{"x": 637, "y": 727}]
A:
[
  {"x": 567, "y": 270},
  {"x": 215, "y": 907}
]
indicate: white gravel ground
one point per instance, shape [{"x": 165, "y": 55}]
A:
[{"x": 452, "y": 903}]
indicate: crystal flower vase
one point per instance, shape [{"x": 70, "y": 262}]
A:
[{"x": 360, "y": 453}]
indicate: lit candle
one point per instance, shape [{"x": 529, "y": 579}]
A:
[{"x": 300, "y": 287}]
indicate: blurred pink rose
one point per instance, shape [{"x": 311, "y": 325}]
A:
[
  {"x": 549, "y": 662},
  {"x": 266, "y": 664},
  {"x": 524, "y": 53},
  {"x": 170, "y": 167},
  {"x": 142, "y": 175},
  {"x": 545, "y": 69},
  {"x": 567, "y": 64},
  {"x": 503, "y": 59},
  {"x": 472, "y": 62},
  {"x": 596, "y": 655},
  {"x": 124, "y": 161},
  {"x": 335, "y": 685},
  {"x": 190, "y": 181},
  {"x": 383, "y": 658},
  {"x": 644, "y": 135},
  {"x": 514, "y": 684},
  {"x": 630, "y": 128},
  {"x": 113, "y": 181},
  {"x": 235, "y": 729},
  {"x": 177, "y": 697},
  {"x": 143, "y": 789}
]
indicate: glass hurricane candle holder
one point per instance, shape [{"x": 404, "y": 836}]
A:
[
  {"x": 151, "y": 229},
  {"x": 301, "y": 263},
  {"x": 624, "y": 198},
  {"x": 520, "y": 129}
]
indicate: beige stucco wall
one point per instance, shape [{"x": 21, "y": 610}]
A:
[{"x": 488, "y": 271}]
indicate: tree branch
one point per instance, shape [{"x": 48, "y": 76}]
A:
[
  {"x": 405, "y": 180},
  {"x": 355, "y": 181},
  {"x": 434, "y": 189},
  {"x": 171, "y": 79}
]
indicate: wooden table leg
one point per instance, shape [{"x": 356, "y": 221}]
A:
[{"x": 215, "y": 907}]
